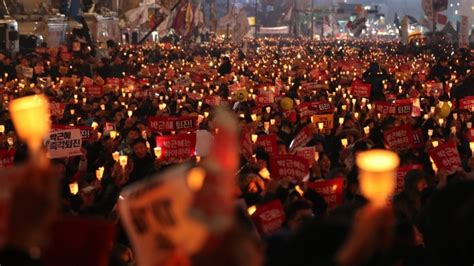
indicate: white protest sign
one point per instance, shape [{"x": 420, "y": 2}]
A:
[
  {"x": 64, "y": 143},
  {"x": 155, "y": 214},
  {"x": 28, "y": 72}
]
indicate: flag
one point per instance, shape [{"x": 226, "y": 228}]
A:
[
  {"x": 166, "y": 24},
  {"x": 357, "y": 26},
  {"x": 199, "y": 16},
  {"x": 404, "y": 30},
  {"x": 137, "y": 16},
  {"x": 288, "y": 14},
  {"x": 241, "y": 27},
  {"x": 189, "y": 18},
  {"x": 179, "y": 21}
]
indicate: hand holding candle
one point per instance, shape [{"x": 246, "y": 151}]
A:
[{"x": 377, "y": 174}]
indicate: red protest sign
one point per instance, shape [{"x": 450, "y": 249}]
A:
[
  {"x": 176, "y": 147},
  {"x": 303, "y": 137},
  {"x": 289, "y": 166},
  {"x": 466, "y": 103},
  {"x": 306, "y": 153},
  {"x": 86, "y": 81},
  {"x": 446, "y": 156},
  {"x": 213, "y": 100},
  {"x": 331, "y": 190},
  {"x": 400, "y": 108},
  {"x": 360, "y": 89},
  {"x": 268, "y": 143},
  {"x": 113, "y": 81},
  {"x": 6, "y": 158},
  {"x": 308, "y": 109},
  {"x": 265, "y": 99},
  {"x": 57, "y": 109},
  {"x": 95, "y": 91},
  {"x": 399, "y": 138},
  {"x": 86, "y": 132},
  {"x": 169, "y": 123},
  {"x": 269, "y": 217},
  {"x": 246, "y": 143},
  {"x": 402, "y": 173}
]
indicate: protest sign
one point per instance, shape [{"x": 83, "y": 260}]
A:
[
  {"x": 399, "y": 108},
  {"x": 327, "y": 119},
  {"x": 289, "y": 166},
  {"x": 331, "y": 190},
  {"x": 303, "y": 137},
  {"x": 268, "y": 143},
  {"x": 446, "y": 156},
  {"x": 86, "y": 132},
  {"x": 466, "y": 103},
  {"x": 177, "y": 147},
  {"x": 64, "y": 143},
  {"x": 172, "y": 123},
  {"x": 360, "y": 89},
  {"x": 307, "y": 153},
  {"x": 156, "y": 215},
  {"x": 269, "y": 217},
  {"x": 402, "y": 172},
  {"x": 400, "y": 138},
  {"x": 95, "y": 91}
]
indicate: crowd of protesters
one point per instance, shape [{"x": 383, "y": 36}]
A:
[{"x": 429, "y": 221}]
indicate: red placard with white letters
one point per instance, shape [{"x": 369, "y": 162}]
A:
[
  {"x": 268, "y": 143},
  {"x": 331, "y": 190},
  {"x": 402, "y": 172},
  {"x": 446, "y": 156},
  {"x": 169, "y": 123},
  {"x": 176, "y": 147},
  {"x": 269, "y": 218},
  {"x": 289, "y": 166},
  {"x": 360, "y": 89}
]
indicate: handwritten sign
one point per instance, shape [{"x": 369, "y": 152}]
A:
[
  {"x": 289, "y": 166},
  {"x": 330, "y": 190},
  {"x": 64, "y": 143},
  {"x": 402, "y": 173},
  {"x": 177, "y": 147},
  {"x": 168, "y": 123},
  {"x": 446, "y": 156},
  {"x": 269, "y": 217},
  {"x": 268, "y": 143}
]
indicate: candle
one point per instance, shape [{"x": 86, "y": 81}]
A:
[
  {"x": 455, "y": 116},
  {"x": 471, "y": 145},
  {"x": 430, "y": 132},
  {"x": 435, "y": 143},
  {"x": 441, "y": 121},
  {"x": 251, "y": 210},
  {"x": 272, "y": 122},
  {"x": 99, "y": 173},
  {"x": 344, "y": 142},
  {"x": 102, "y": 107},
  {"x": 94, "y": 125},
  {"x": 264, "y": 173},
  {"x": 341, "y": 121},
  {"x": 268, "y": 109},
  {"x": 30, "y": 116},
  {"x": 157, "y": 151},
  {"x": 123, "y": 160},
  {"x": 130, "y": 113},
  {"x": 195, "y": 178},
  {"x": 113, "y": 134},
  {"x": 254, "y": 138},
  {"x": 316, "y": 156},
  {"x": 2, "y": 129},
  {"x": 266, "y": 126},
  {"x": 367, "y": 130},
  {"x": 254, "y": 117},
  {"x": 206, "y": 114},
  {"x": 377, "y": 174},
  {"x": 74, "y": 188},
  {"x": 469, "y": 125},
  {"x": 321, "y": 125},
  {"x": 116, "y": 156}
]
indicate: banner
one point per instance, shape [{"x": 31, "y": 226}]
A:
[
  {"x": 274, "y": 30},
  {"x": 171, "y": 123},
  {"x": 402, "y": 173},
  {"x": 399, "y": 108},
  {"x": 303, "y": 137},
  {"x": 327, "y": 119},
  {"x": 64, "y": 143},
  {"x": 360, "y": 89},
  {"x": 269, "y": 218},
  {"x": 399, "y": 138},
  {"x": 155, "y": 214},
  {"x": 268, "y": 143},
  {"x": 6, "y": 158},
  {"x": 86, "y": 132},
  {"x": 464, "y": 32},
  {"x": 331, "y": 190},
  {"x": 289, "y": 166},
  {"x": 176, "y": 147},
  {"x": 446, "y": 156},
  {"x": 466, "y": 103}
]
